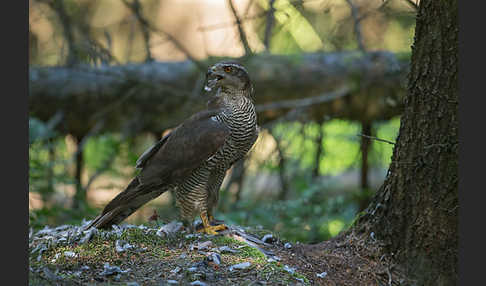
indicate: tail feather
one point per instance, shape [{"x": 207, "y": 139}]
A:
[{"x": 126, "y": 203}]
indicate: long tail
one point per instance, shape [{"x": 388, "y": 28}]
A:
[{"x": 125, "y": 203}]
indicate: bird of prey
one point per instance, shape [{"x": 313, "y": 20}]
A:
[{"x": 192, "y": 160}]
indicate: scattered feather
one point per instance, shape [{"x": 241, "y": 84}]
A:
[
  {"x": 121, "y": 245},
  {"x": 273, "y": 259},
  {"x": 268, "y": 238},
  {"x": 201, "y": 246},
  {"x": 321, "y": 275},
  {"x": 176, "y": 270},
  {"x": 88, "y": 235},
  {"x": 240, "y": 266},
  {"x": 111, "y": 270},
  {"x": 226, "y": 249},
  {"x": 289, "y": 269},
  {"x": 214, "y": 257},
  {"x": 169, "y": 229},
  {"x": 70, "y": 254}
]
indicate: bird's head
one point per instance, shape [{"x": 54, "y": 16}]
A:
[{"x": 228, "y": 76}]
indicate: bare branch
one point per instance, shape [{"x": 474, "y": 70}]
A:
[
  {"x": 58, "y": 7},
  {"x": 148, "y": 26},
  {"x": 243, "y": 38},
  {"x": 225, "y": 25},
  {"x": 269, "y": 25},
  {"x": 135, "y": 7},
  {"x": 376, "y": 138},
  {"x": 305, "y": 102},
  {"x": 357, "y": 26}
]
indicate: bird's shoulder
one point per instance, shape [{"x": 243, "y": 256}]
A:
[{"x": 185, "y": 147}]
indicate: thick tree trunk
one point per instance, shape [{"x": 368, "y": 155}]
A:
[{"x": 416, "y": 210}]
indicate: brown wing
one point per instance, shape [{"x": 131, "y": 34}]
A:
[
  {"x": 150, "y": 152},
  {"x": 184, "y": 149}
]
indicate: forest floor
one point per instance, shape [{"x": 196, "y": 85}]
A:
[{"x": 168, "y": 254}]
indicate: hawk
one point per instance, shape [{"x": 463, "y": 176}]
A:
[{"x": 191, "y": 161}]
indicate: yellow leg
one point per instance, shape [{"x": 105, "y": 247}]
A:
[
  {"x": 207, "y": 227},
  {"x": 210, "y": 217}
]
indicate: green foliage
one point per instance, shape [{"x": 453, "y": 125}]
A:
[
  {"x": 313, "y": 214},
  {"x": 340, "y": 145}
]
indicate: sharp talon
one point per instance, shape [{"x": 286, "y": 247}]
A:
[{"x": 213, "y": 229}]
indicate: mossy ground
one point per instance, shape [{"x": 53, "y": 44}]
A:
[
  {"x": 154, "y": 260},
  {"x": 348, "y": 259}
]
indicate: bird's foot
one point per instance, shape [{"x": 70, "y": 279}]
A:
[{"x": 213, "y": 229}]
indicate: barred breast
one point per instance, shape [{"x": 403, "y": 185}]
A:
[{"x": 200, "y": 191}]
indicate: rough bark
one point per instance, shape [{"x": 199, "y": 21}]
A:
[
  {"x": 364, "y": 201},
  {"x": 154, "y": 96},
  {"x": 416, "y": 210}
]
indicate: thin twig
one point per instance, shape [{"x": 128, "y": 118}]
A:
[
  {"x": 224, "y": 25},
  {"x": 298, "y": 103},
  {"x": 376, "y": 138},
  {"x": 413, "y": 4},
  {"x": 242, "y": 33}
]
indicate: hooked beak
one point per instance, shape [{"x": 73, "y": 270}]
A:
[{"x": 212, "y": 78}]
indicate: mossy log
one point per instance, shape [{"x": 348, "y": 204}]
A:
[{"x": 150, "y": 97}]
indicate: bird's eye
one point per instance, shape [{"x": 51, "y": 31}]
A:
[{"x": 228, "y": 69}]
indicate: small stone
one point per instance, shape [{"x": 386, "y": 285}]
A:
[
  {"x": 198, "y": 283},
  {"x": 287, "y": 245},
  {"x": 172, "y": 282}
]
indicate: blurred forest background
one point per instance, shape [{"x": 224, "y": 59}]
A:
[{"x": 108, "y": 78}]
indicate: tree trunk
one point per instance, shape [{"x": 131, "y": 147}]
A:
[
  {"x": 79, "y": 198},
  {"x": 364, "y": 198},
  {"x": 415, "y": 211}
]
